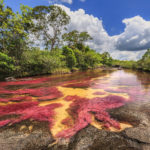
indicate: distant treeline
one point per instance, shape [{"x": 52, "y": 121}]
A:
[
  {"x": 59, "y": 51},
  {"x": 142, "y": 64}
]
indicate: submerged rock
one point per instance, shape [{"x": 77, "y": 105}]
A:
[{"x": 135, "y": 113}]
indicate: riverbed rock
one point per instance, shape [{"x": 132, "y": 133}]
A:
[
  {"x": 141, "y": 134},
  {"x": 26, "y": 136},
  {"x": 32, "y": 135},
  {"x": 136, "y": 113},
  {"x": 91, "y": 138}
]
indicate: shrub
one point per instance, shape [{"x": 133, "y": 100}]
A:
[
  {"x": 40, "y": 62},
  {"x": 6, "y": 65}
]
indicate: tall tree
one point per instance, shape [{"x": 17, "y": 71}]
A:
[
  {"x": 76, "y": 39},
  {"x": 49, "y": 23}
]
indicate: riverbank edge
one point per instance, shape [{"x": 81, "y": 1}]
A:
[{"x": 14, "y": 78}]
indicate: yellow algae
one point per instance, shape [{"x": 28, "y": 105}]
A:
[
  {"x": 23, "y": 127},
  {"x": 99, "y": 125},
  {"x": 123, "y": 126},
  {"x": 4, "y": 104},
  {"x": 30, "y": 128},
  {"x": 96, "y": 123},
  {"x": 124, "y": 95},
  {"x": 86, "y": 93},
  {"x": 61, "y": 114},
  {"x": 52, "y": 144}
]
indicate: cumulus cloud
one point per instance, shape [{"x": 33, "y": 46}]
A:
[
  {"x": 84, "y": 22},
  {"x": 60, "y": 1},
  {"x": 129, "y": 45},
  {"x": 136, "y": 35}
]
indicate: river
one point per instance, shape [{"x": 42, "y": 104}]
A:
[{"x": 71, "y": 102}]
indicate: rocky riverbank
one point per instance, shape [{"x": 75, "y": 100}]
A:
[{"x": 32, "y": 135}]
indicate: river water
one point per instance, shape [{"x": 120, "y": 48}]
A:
[{"x": 69, "y": 103}]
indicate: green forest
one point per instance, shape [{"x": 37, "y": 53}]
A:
[{"x": 59, "y": 52}]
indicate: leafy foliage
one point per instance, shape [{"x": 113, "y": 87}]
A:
[
  {"x": 14, "y": 29},
  {"x": 51, "y": 18},
  {"x": 76, "y": 39},
  {"x": 36, "y": 61},
  {"x": 144, "y": 63},
  {"x": 70, "y": 57},
  {"x": 6, "y": 65}
]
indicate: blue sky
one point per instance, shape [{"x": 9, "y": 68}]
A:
[
  {"x": 121, "y": 27},
  {"x": 112, "y": 12}
]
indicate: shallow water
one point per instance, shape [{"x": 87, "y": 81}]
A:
[{"x": 70, "y": 102}]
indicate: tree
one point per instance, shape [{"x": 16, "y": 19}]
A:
[
  {"x": 50, "y": 21},
  {"x": 144, "y": 63},
  {"x": 14, "y": 29},
  {"x": 70, "y": 57},
  {"x": 6, "y": 65},
  {"x": 92, "y": 59},
  {"x": 106, "y": 59},
  {"x": 76, "y": 39},
  {"x": 80, "y": 57}
]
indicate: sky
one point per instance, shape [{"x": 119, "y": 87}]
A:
[{"x": 121, "y": 27}]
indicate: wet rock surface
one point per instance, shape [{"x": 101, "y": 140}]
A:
[{"x": 32, "y": 135}]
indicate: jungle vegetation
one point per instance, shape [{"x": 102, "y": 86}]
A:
[{"x": 59, "y": 51}]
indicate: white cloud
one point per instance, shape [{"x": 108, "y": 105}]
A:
[
  {"x": 131, "y": 44},
  {"x": 63, "y": 1},
  {"x": 60, "y": 1},
  {"x": 83, "y": 22},
  {"x": 136, "y": 35}
]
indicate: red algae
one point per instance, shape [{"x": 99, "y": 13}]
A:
[
  {"x": 35, "y": 81},
  {"x": 4, "y": 122},
  {"x": 82, "y": 108},
  {"x": 50, "y": 97},
  {"x": 78, "y": 85},
  {"x": 20, "y": 98},
  {"x": 68, "y": 122},
  {"x": 99, "y": 93},
  {"x": 14, "y": 108},
  {"x": 28, "y": 110},
  {"x": 54, "y": 93},
  {"x": 37, "y": 92}
]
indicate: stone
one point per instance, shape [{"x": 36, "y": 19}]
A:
[{"x": 10, "y": 79}]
